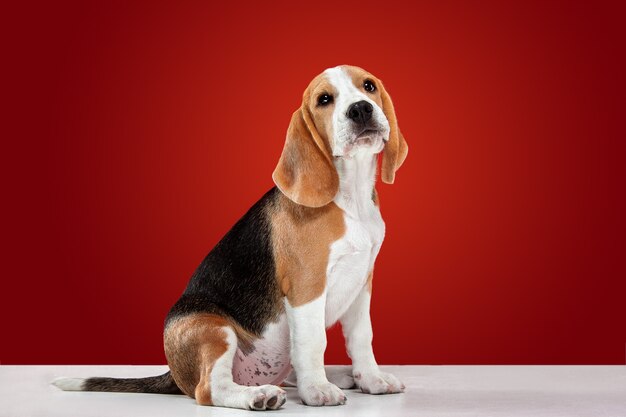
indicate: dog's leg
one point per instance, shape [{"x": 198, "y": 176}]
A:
[
  {"x": 226, "y": 393},
  {"x": 307, "y": 333},
  {"x": 357, "y": 330},
  {"x": 200, "y": 350}
]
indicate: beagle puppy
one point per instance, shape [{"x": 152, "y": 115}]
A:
[{"x": 300, "y": 260}]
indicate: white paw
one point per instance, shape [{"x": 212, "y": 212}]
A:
[
  {"x": 321, "y": 394},
  {"x": 343, "y": 381},
  {"x": 378, "y": 383},
  {"x": 266, "y": 397},
  {"x": 340, "y": 376}
]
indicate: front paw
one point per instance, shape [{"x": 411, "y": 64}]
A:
[
  {"x": 320, "y": 394},
  {"x": 378, "y": 383}
]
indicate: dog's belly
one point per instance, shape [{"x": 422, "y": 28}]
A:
[{"x": 269, "y": 362}]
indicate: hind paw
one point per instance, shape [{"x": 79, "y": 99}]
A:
[{"x": 266, "y": 397}]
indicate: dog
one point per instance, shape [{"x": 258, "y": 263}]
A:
[{"x": 300, "y": 260}]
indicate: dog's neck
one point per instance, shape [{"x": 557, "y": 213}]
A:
[{"x": 357, "y": 176}]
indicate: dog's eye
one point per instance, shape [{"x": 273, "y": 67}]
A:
[
  {"x": 324, "y": 99},
  {"x": 369, "y": 86}
]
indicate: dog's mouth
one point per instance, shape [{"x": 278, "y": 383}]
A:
[
  {"x": 369, "y": 140},
  {"x": 367, "y": 137}
]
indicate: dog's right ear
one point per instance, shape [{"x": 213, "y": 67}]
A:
[{"x": 305, "y": 172}]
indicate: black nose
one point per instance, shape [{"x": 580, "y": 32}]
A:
[{"x": 360, "y": 112}]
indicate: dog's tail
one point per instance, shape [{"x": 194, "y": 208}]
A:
[{"x": 162, "y": 384}]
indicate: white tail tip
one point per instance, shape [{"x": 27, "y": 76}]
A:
[{"x": 69, "y": 384}]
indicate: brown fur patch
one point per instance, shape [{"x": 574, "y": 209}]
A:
[
  {"x": 320, "y": 115},
  {"x": 245, "y": 339},
  {"x": 301, "y": 237},
  {"x": 192, "y": 345},
  {"x": 305, "y": 171}
]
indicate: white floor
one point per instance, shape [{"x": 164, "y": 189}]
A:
[{"x": 431, "y": 391}]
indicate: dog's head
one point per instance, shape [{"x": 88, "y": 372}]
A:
[{"x": 345, "y": 110}]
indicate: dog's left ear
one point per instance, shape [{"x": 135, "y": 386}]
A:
[{"x": 396, "y": 149}]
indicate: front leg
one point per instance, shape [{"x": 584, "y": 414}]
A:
[
  {"x": 357, "y": 330},
  {"x": 307, "y": 334}
]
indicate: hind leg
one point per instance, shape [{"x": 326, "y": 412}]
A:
[
  {"x": 200, "y": 349},
  {"x": 226, "y": 393}
]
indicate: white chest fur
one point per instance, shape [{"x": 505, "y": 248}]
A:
[{"x": 352, "y": 257}]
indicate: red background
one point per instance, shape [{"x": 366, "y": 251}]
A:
[{"x": 136, "y": 135}]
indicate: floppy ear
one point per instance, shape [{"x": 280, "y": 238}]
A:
[
  {"x": 305, "y": 172},
  {"x": 396, "y": 149}
]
